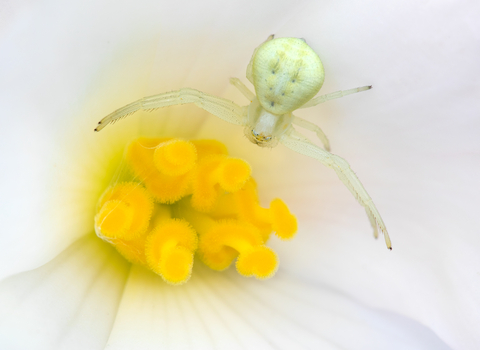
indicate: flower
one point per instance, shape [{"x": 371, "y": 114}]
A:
[{"x": 411, "y": 140}]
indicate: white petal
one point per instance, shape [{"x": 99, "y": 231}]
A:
[
  {"x": 69, "y": 303},
  {"x": 227, "y": 311}
]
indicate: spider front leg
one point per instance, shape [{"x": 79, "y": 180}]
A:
[
  {"x": 297, "y": 142},
  {"x": 333, "y": 95},
  {"x": 220, "y": 107},
  {"x": 315, "y": 128},
  {"x": 242, "y": 88}
]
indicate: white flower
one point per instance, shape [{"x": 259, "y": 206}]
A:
[{"x": 412, "y": 140}]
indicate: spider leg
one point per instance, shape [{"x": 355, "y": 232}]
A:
[
  {"x": 220, "y": 107},
  {"x": 242, "y": 88},
  {"x": 298, "y": 143},
  {"x": 315, "y": 128},
  {"x": 331, "y": 96}
]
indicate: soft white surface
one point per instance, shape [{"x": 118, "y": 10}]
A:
[
  {"x": 227, "y": 311},
  {"x": 412, "y": 139},
  {"x": 69, "y": 303},
  {"x": 89, "y": 298}
]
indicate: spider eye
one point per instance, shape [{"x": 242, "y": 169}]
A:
[{"x": 259, "y": 137}]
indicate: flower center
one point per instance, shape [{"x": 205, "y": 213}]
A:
[{"x": 173, "y": 198}]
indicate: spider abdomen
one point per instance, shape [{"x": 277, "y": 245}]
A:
[{"x": 286, "y": 74}]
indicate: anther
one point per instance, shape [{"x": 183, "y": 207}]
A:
[
  {"x": 215, "y": 174},
  {"x": 170, "y": 249},
  {"x": 175, "y": 157},
  {"x": 125, "y": 211}
]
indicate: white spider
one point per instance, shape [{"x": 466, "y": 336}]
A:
[{"x": 286, "y": 74}]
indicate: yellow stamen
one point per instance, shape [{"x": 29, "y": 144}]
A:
[
  {"x": 283, "y": 222},
  {"x": 164, "y": 188},
  {"x": 161, "y": 213},
  {"x": 220, "y": 242},
  {"x": 232, "y": 174},
  {"x": 216, "y": 245},
  {"x": 169, "y": 250},
  {"x": 259, "y": 261},
  {"x": 209, "y": 147},
  {"x": 132, "y": 250},
  {"x": 186, "y": 197},
  {"x": 216, "y": 174},
  {"x": 114, "y": 219},
  {"x": 125, "y": 211},
  {"x": 175, "y": 157},
  {"x": 244, "y": 205}
]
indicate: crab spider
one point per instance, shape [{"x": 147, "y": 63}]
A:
[{"x": 286, "y": 74}]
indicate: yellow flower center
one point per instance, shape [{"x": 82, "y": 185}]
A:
[{"x": 173, "y": 198}]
